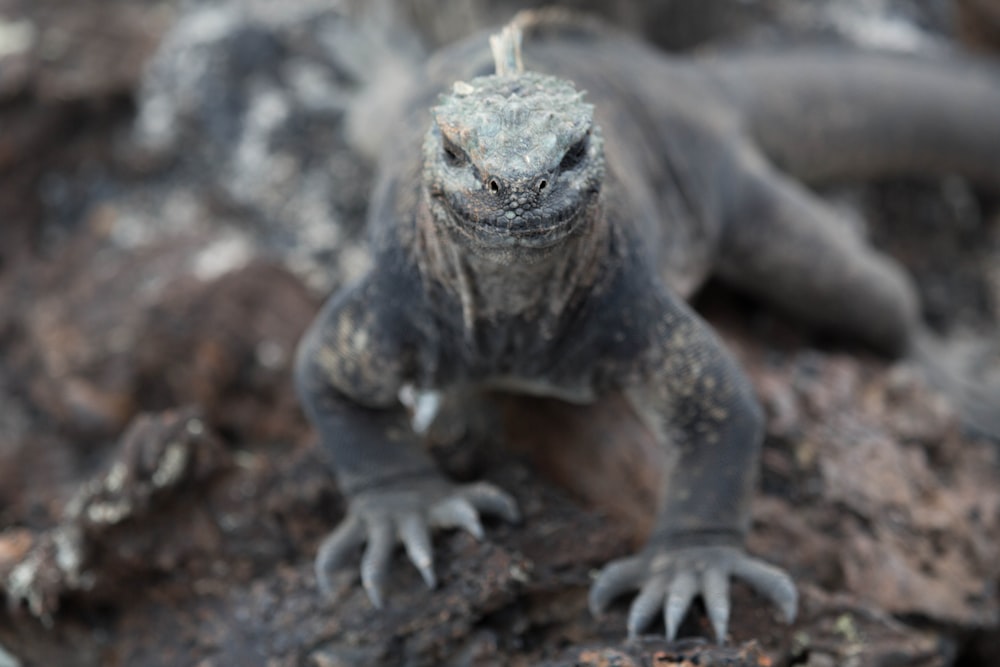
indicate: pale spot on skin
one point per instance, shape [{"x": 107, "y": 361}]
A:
[{"x": 359, "y": 340}]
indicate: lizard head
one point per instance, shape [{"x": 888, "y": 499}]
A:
[{"x": 513, "y": 160}]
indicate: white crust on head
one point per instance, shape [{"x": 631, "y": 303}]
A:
[{"x": 506, "y": 48}]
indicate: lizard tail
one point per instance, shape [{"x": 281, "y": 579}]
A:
[
  {"x": 826, "y": 115},
  {"x": 977, "y": 402}
]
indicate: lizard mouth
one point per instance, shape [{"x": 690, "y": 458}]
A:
[{"x": 539, "y": 227}]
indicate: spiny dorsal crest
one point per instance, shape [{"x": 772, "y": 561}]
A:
[
  {"x": 514, "y": 120},
  {"x": 506, "y": 48}
]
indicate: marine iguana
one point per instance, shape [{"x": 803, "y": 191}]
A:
[{"x": 533, "y": 238}]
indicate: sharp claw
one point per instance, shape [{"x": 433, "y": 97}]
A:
[
  {"x": 645, "y": 606},
  {"x": 457, "y": 512},
  {"x": 771, "y": 582},
  {"x": 715, "y": 591},
  {"x": 375, "y": 562},
  {"x": 682, "y": 591},
  {"x": 417, "y": 542},
  {"x": 615, "y": 578},
  {"x": 334, "y": 551},
  {"x": 490, "y": 500}
]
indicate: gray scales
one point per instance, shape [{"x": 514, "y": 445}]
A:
[{"x": 533, "y": 238}]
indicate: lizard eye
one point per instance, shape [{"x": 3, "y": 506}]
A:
[
  {"x": 574, "y": 156},
  {"x": 453, "y": 155}
]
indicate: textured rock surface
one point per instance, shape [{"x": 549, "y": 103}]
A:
[{"x": 160, "y": 500}]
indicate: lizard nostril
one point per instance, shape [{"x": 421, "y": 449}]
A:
[
  {"x": 494, "y": 185},
  {"x": 542, "y": 184}
]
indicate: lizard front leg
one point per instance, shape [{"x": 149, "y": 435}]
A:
[
  {"x": 349, "y": 372},
  {"x": 693, "y": 395}
]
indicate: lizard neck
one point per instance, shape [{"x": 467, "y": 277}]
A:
[{"x": 516, "y": 282}]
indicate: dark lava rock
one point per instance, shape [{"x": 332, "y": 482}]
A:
[{"x": 160, "y": 496}]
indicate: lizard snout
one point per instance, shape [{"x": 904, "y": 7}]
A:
[{"x": 524, "y": 193}]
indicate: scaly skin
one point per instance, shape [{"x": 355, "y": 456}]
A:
[{"x": 531, "y": 238}]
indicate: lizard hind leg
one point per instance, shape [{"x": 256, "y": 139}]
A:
[
  {"x": 785, "y": 245},
  {"x": 788, "y": 247}
]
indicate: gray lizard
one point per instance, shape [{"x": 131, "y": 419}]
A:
[{"x": 529, "y": 237}]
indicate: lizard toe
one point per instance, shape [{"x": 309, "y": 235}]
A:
[
  {"x": 645, "y": 606},
  {"x": 416, "y": 539},
  {"x": 771, "y": 582},
  {"x": 616, "y": 578},
  {"x": 375, "y": 562},
  {"x": 457, "y": 512},
  {"x": 682, "y": 591},
  {"x": 489, "y": 499},
  {"x": 336, "y": 549},
  {"x": 715, "y": 593}
]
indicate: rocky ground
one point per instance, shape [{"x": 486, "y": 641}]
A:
[{"x": 176, "y": 197}]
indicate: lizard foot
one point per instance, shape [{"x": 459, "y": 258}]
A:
[
  {"x": 669, "y": 579},
  {"x": 387, "y": 516}
]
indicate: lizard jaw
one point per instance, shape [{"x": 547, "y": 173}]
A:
[{"x": 497, "y": 228}]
